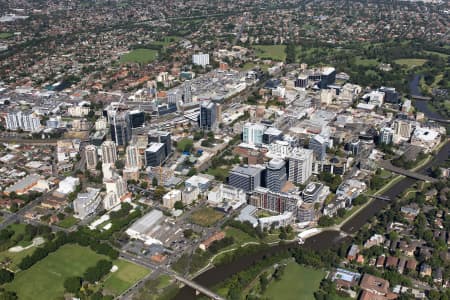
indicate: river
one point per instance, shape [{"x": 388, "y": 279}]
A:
[
  {"x": 421, "y": 105},
  {"x": 324, "y": 240}
]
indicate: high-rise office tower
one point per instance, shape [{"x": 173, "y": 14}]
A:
[
  {"x": 246, "y": 178},
  {"x": 276, "y": 174},
  {"x": 252, "y": 133},
  {"x": 207, "y": 116},
  {"x": 187, "y": 92},
  {"x": 386, "y": 135},
  {"x": 133, "y": 159},
  {"x": 119, "y": 122},
  {"x": 154, "y": 155},
  {"x": 109, "y": 152},
  {"x": 137, "y": 118},
  {"x": 300, "y": 165},
  {"x": 319, "y": 144},
  {"x": 165, "y": 137},
  {"x": 90, "y": 152}
]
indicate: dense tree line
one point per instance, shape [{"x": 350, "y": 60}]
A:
[{"x": 248, "y": 228}]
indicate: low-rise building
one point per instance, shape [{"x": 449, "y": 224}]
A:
[{"x": 86, "y": 203}]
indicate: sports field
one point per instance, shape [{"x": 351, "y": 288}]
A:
[
  {"x": 141, "y": 56},
  {"x": 274, "y": 52},
  {"x": 45, "y": 279},
  {"x": 298, "y": 283},
  {"x": 124, "y": 277}
]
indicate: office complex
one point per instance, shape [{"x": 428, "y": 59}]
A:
[
  {"x": 276, "y": 174},
  {"x": 390, "y": 95},
  {"x": 271, "y": 135},
  {"x": 252, "y": 133},
  {"x": 120, "y": 126},
  {"x": 109, "y": 152},
  {"x": 402, "y": 130},
  {"x": 300, "y": 165},
  {"x": 86, "y": 203},
  {"x": 208, "y": 115},
  {"x": 274, "y": 201},
  {"x": 312, "y": 192},
  {"x": 155, "y": 155},
  {"x": 318, "y": 144},
  {"x": 386, "y": 135},
  {"x": 137, "y": 118},
  {"x": 200, "y": 59},
  {"x": 157, "y": 136},
  {"x": 24, "y": 121},
  {"x": 132, "y": 157},
  {"x": 90, "y": 152},
  {"x": 246, "y": 178}
]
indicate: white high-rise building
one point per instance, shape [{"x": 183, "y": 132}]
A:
[
  {"x": 101, "y": 124},
  {"x": 300, "y": 165},
  {"x": 133, "y": 159},
  {"x": 252, "y": 133},
  {"x": 200, "y": 59},
  {"x": 90, "y": 152},
  {"x": 116, "y": 188},
  {"x": 109, "y": 152},
  {"x": 26, "y": 122}
]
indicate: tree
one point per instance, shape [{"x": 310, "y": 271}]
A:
[
  {"x": 72, "y": 284},
  {"x": 6, "y": 276},
  {"x": 119, "y": 164},
  {"x": 178, "y": 205},
  {"x": 154, "y": 182},
  {"x": 188, "y": 233},
  {"x": 341, "y": 212}
]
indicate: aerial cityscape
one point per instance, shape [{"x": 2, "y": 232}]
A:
[{"x": 241, "y": 150}]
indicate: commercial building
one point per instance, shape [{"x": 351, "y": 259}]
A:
[
  {"x": 227, "y": 197},
  {"x": 386, "y": 135},
  {"x": 281, "y": 220},
  {"x": 132, "y": 157},
  {"x": 157, "y": 136},
  {"x": 120, "y": 126},
  {"x": 201, "y": 181},
  {"x": 200, "y": 59},
  {"x": 279, "y": 149},
  {"x": 116, "y": 188},
  {"x": 312, "y": 192},
  {"x": 24, "y": 185},
  {"x": 171, "y": 197},
  {"x": 78, "y": 111},
  {"x": 390, "y": 95},
  {"x": 276, "y": 174},
  {"x": 90, "y": 152},
  {"x": 109, "y": 152},
  {"x": 187, "y": 93},
  {"x": 246, "y": 178},
  {"x": 68, "y": 185},
  {"x": 318, "y": 144},
  {"x": 144, "y": 228},
  {"x": 252, "y": 134},
  {"x": 271, "y": 135},
  {"x": 425, "y": 138},
  {"x": 277, "y": 202},
  {"x": 155, "y": 155},
  {"x": 137, "y": 118},
  {"x": 24, "y": 121},
  {"x": 300, "y": 165},
  {"x": 208, "y": 115},
  {"x": 189, "y": 195},
  {"x": 86, "y": 203}
]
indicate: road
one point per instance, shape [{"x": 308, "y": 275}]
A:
[{"x": 414, "y": 175}]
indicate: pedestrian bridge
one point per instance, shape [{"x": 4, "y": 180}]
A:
[
  {"x": 385, "y": 164},
  {"x": 198, "y": 288}
]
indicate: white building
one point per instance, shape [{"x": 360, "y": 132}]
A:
[
  {"x": 171, "y": 197},
  {"x": 402, "y": 131},
  {"x": 300, "y": 165},
  {"x": 189, "y": 195},
  {"x": 116, "y": 188},
  {"x": 252, "y": 133},
  {"x": 78, "y": 111},
  {"x": 226, "y": 197},
  {"x": 426, "y": 138},
  {"x": 375, "y": 97},
  {"x": 86, "y": 203},
  {"x": 25, "y": 121},
  {"x": 279, "y": 149},
  {"x": 90, "y": 152},
  {"x": 101, "y": 124},
  {"x": 144, "y": 228},
  {"x": 109, "y": 152},
  {"x": 133, "y": 159},
  {"x": 282, "y": 220},
  {"x": 68, "y": 185},
  {"x": 200, "y": 59}
]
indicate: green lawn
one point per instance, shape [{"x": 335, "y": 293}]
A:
[
  {"x": 19, "y": 229},
  {"x": 274, "y": 52},
  {"x": 298, "y": 283},
  {"x": 141, "y": 56},
  {"x": 45, "y": 279},
  {"x": 12, "y": 259},
  {"x": 219, "y": 173},
  {"x": 410, "y": 62},
  {"x": 68, "y": 222},
  {"x": 167, "y": 40},
  {"x": 206, "y": 216},
  {"x": 5, "y": 35},
  {"x": 127, "y": 275},
  {"x": 250, "y": 65},
  {"x": 239, "y": 236}
]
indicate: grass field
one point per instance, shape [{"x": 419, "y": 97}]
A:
[
  {"x": 45, "y": 279},
  {"x": 124, "y": 277},
  {"x": 5, "y": 35},
  {"x": 274, "y": 52},
  {"x": 14, "y": 258},
  {"x": 68, "y": 222},
  {"x": 250, "y": 65},
  {"x": 206, "y": 217},
  {"x": 167, "y": 41},
  {"x": 410, "y": 62},
  {"x": 19, "y": 229},
  {"x": 297, "y": 283},
  {"x": 141, "y": 56},
  {"x": 366, "y": 62},
  {"x": 239, "y": 236}
]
